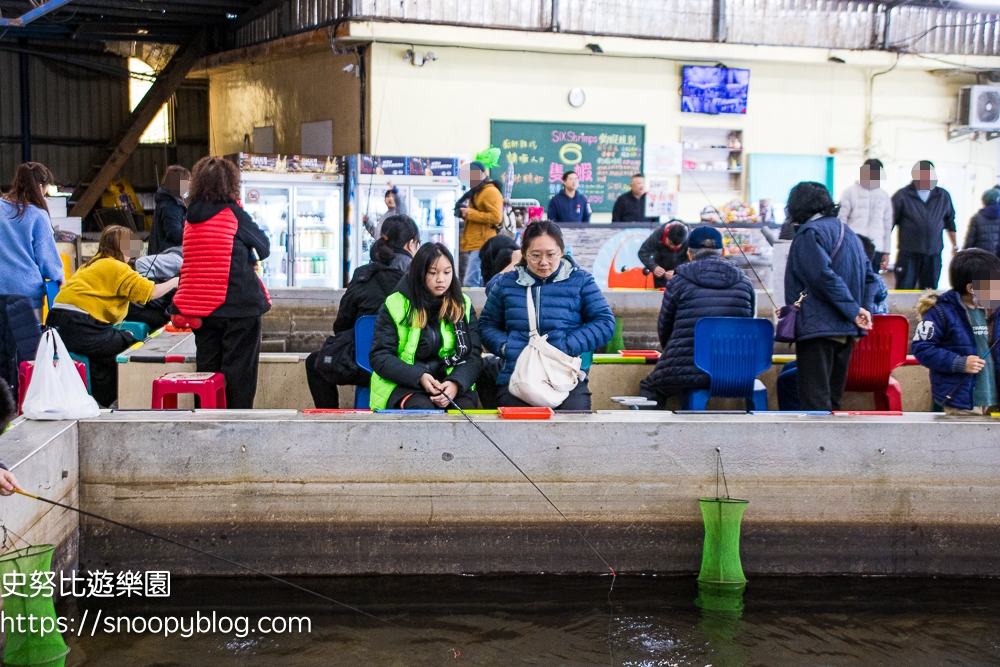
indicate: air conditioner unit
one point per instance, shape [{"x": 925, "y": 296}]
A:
[{"x": 979, "y": 107}]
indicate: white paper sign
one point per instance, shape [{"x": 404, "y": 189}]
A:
[
  {"x": 663, "y": 159},
  {"x": 660, "y": 199}
]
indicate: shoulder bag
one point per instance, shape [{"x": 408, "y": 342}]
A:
[
  {"x": 784, "y": 330},
  {"x": 543, "y": 375}
]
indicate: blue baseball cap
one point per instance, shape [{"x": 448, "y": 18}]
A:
[{"x": 705, "y": 237}]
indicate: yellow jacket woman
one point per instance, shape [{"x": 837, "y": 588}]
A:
[{"x": 96, "y": 298}]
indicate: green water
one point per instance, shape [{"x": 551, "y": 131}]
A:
[{"x": 567, "y": 621}]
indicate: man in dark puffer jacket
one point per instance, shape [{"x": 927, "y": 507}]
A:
[{"x": 707, "y": 286}]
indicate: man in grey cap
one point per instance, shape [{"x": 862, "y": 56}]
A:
[{"x": 706, "y": 286}]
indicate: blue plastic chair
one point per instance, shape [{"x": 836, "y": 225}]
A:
[
  {"x": 51, "y": 289},
  {"x": 733, "y": 351},
  {"x": 139, "y": 330},
  {"x": 364, "y": 334}
]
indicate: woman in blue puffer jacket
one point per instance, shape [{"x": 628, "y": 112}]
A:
[{"x": 570, "y": 309}]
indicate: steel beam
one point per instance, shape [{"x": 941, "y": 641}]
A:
[
  {"x": 166, "y": 84},
  {"x": 37, "y": 12}
]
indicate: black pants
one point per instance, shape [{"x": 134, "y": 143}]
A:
[
  {"x": 915, "y": 271},
  {"x": 578, "y": 399},
  {"x": 325, "y": 394},
  {"x": 420, "y": 400},
  {"x": 153, "y": 314},
  {"x": 231, "y": 346},
  {"x": 822, "y": 372},
  {"x": 100, "y": 342}
]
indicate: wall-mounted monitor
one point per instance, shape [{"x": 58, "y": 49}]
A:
[{"x": 714, "y": 90}]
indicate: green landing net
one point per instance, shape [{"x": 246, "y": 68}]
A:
[
  {"x": 30, "y": 648},
  {"x": 720, "y": 558}
]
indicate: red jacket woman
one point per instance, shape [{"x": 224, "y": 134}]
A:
[{"x": 218, "y": 283}]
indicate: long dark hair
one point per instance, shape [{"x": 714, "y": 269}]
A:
[
  {"x": 397, "y": 231},
  {"x": 452, "y": 304},
  {"x": 807, "y": 199},
  {"x": 536, "y": 229},
  {"x": 27, "y": 187}
]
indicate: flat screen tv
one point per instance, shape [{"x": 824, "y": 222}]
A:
[{"x": 714, "y": 90}]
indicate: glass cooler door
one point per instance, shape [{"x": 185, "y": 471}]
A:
[{"x": 269, "y": 208}]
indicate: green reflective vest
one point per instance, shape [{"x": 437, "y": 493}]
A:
[{"x": 409, "y": 338}]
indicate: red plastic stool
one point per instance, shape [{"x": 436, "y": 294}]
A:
[
  {"x": 24, "y": 372},
  {"x": 210, "y": 387}
]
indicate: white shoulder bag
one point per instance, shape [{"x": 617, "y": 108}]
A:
[
  {"x": 56, "y": 390},
  {"x": 543, "y": 375}
]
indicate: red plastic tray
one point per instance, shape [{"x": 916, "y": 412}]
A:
[
  {"x": 525, "y": 413},
  {"x": 645, "y": 354},
  {"x": 338, "y": 411}
]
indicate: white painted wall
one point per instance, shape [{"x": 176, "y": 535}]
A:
[{"x": 802, "y": 108}]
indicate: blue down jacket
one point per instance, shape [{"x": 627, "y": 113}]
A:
[
  {"x": 709, "y": 287},
  {"x": 942, "y": 341},
  {"x": 836, "y": 290},
  {"x": 570, "y": 309}
]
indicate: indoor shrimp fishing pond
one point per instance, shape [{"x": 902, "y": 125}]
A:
[
  {"x": 560, "y": 621},
  {"x": 284, "y": 539}
]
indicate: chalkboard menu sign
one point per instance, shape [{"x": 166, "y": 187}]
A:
[{"x": 604, "y": 158}]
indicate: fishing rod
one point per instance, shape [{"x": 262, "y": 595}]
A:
[
  {"x": 966, "y": 379},
  {"x": 722, "y": 219},
  {"x": 221, "y": 558},
  {"x": 614, "y": 575}
]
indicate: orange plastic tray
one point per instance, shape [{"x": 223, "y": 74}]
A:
[{"x": 525, "y": 413}]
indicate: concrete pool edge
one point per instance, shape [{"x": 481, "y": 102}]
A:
[{"x": 351, "y": 495}]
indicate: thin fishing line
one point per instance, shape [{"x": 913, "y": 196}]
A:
[
  {"x": 733, "y": 236},
  {"x": 965, "y": 379},
  {"x": 614, "y": 575},
  {"x": 720, "y": 466},
  {"x": 221, "y": 558}
]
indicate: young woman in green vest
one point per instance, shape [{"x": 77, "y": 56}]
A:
[{"x": 426, "y": 347}]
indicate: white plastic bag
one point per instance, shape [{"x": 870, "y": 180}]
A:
[
  {"x": 57, "y": 391},
  {"x": 543, "y": 375}
]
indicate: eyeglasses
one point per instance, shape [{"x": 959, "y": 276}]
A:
[{"x": 538, "y": 257}]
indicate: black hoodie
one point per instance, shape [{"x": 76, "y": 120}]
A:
[{"x": 168, "y": 222}]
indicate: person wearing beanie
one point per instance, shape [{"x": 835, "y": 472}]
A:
[
  {"x": 867, "y": 209},
  {"x": 984, "y": 229},
  {"x": 481, "y": 207},
  {"x": 665, "y": 250},
  {"x": 706, "y": 286}
]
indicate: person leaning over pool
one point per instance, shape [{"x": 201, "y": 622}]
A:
[
  {"x": 571, "y": 310},
  {"x": 426, "y": 347}
]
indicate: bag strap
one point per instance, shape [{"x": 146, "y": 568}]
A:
[
  {"x": 532, "y": 324},
  {"x": 840, "y": 242}
]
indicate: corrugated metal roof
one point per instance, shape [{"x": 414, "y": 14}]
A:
[
  {"x": 79, "y": 101},
  {"x": 837, "y": 24}
]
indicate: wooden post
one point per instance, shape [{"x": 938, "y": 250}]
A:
[{"x": 160, "y": 92}]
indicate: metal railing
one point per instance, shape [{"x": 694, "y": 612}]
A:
[{"x": 835, "y": 24}]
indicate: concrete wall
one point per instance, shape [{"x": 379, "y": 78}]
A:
[
  {"x": 311, "y": 495},
  {"x": 44, "y": 457},
  {"x": 285, "y": 91}
]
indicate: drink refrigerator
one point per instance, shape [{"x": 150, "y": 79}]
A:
[
  {"x": 430, "y": 186},
  {"x": 298, "y": 202}
]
